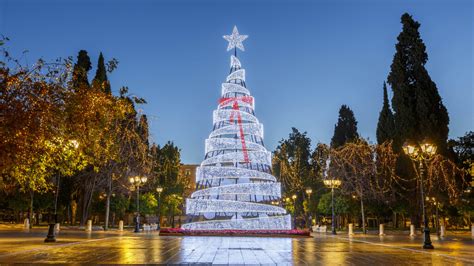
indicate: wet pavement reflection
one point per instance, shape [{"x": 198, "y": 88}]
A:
[{"x": 321, "y": 249}]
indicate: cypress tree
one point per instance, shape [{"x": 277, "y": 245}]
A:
[
  {"x": 80, "y": 70},
  {"x": 100, "y": 78},
  {"x": 418, "y": 110},
  {"x": 346, "y": 128},
  {"x": 143, "y": 129},
  {"x": 385, "y": 126}
]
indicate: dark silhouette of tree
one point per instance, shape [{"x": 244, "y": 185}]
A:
[
  {"x": 385, "y": 126},
  {"x": 80, "y": 71},
  {"x": 418, "y": 109},
  {"x": 346, "y": 128},
  {"x": 101, "y": 76}
]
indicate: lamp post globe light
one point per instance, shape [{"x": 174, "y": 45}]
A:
[
  {"x": 159, "y": 190},
  {"x": 421, "y": 153},
  {"x": 309, "y": 219},
  {"x": 332, "y": 184},
  {"x": 137, "y": 181}
]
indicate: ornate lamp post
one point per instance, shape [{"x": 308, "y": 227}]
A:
[
  {"x": 294, "y": 209},
  {"x": 421, "y": 153},
  {"x": 308, "y": 192},
  {"x": 137, "y": 181},
  {"x": 332, "y": 184},
  {"x": 159, "y": 190}
]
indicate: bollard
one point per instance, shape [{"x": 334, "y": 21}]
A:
[
  {"x": 57, "y": 227},
  {"x": 442, "y": 232},
  {"x": 381, "y": 231},
  {"x": 120, "y": 226},
  {"x": 412, "y": 230},
  {"x": 89, "y": 226},
  {"x": 26, "y": 224},
  {"x": 351, "y": 230}
]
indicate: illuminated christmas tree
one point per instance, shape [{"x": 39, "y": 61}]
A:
[{"x": 234, "y": 185}]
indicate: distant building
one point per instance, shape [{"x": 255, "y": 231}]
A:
[{"x": 188, "y": 171}]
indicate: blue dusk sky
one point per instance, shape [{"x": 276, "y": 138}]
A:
[{"x": 304, "y": 59}]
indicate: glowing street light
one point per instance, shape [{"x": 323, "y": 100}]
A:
[
  {"x": 309, "y": 219},
  {"x": 332, "y": 184},
  {"x": 137, "y": 181},
  {"x": 420, "y": 153},
  {"x": 159, "y": 190}
]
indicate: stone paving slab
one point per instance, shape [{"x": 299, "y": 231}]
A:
[{"x": 149, "y": 248}]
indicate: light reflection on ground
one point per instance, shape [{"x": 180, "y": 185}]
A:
[{"x": 321, "y": 249}]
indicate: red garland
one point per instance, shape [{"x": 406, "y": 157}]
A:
[{"x": 180, "y": 231}]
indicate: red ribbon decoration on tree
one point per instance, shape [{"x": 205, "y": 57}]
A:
[{"x": 235, "y": 108}]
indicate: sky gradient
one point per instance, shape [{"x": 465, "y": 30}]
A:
[{"x": 304, "y": 59}]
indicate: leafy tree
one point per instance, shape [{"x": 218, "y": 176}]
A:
[
  {"x": 418, "y": 109},
  {"x": 80, "y": 71},
  {"x": 291, "y": 166},
  {"x": 385, "y": 126},
  {"x": 101, "y": 76},
  {"x": 148, "y": 204},
  {"x": 319, "y": 164},
  {"x": 342, "y": 205},
  {"x": 346, "y": 128},
  {"x": 166, "y": 163}
]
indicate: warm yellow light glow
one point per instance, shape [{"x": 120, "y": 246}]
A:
[
  {"x": 309, "y": 191},
  {"x": 144, "y": 179},
  {"x": 74, "y": 143},
  {"x": 159, "y": 189},
  {"x": 410, "y": 150},
  {"x": 332, "y": 183},
  {"x": 428, "y": 148},
  {"x": 131, "y": 180},
  {"x": 293, "y": 197}
]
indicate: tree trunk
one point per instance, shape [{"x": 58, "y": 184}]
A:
[
  {"x": 107, "y": 204},
  {"x": 30, "y": 211},
  {"x": 88, "y": 193},
  {"x": 73, "y": 212},
  {"x": 363, "y": 214}
]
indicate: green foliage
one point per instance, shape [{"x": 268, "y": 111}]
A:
[
  {"x": 166, "y": 174},
  {"x": 148, "y": 203},
  {"x": 119, "y": 205},
  {"x": 80, "y": 71},
  {"x": 346, "y": 128},
  {"x": 342, "y": 205},
  {"x": 386, "y": 124},
  {"x": 418, "y": 109},
  {"x": 100, "y": 78}
]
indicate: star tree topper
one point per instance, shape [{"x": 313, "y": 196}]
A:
[{"x": 235, "y": 40}]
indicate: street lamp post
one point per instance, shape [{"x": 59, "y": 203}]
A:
[
  {"x": 294, "y": 210},
  {"x": 159, "y": 190},
  {"x": 421, "y": 153},
  {"x": 137, "y": 181},
  {"x": 332, "y": 184},
  {"x": 309, "y": 223}
]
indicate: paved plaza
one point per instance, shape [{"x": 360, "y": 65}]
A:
[{"x": 150, "y": 248}]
